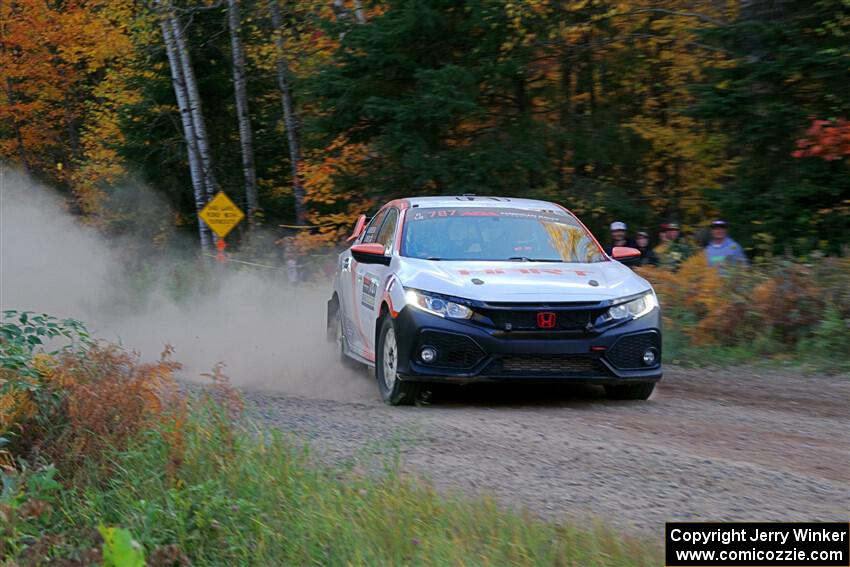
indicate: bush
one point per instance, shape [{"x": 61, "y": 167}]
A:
[
  {"x": 777, "y": 309},
  {"x": 72, "y": 404},
  {"x": 27, "y": 403}
]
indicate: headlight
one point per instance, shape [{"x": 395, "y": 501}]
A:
[
  {"x": 633, "y": 309},
  {"x": 437, "y": 305}
]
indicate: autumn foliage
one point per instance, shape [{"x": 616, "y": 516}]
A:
[
  {"x": 59, "y": 87},
  {"x": 771, "y": 309},
  {"x": 109, "y": 396},
  {"x": 826, "y": 139},
  {"x": 80, "y": 408},
  {"x": 637, "y": 111}
]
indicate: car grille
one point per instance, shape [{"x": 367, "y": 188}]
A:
[
  {"x": 627, "y": 353},
  {"x": 523, "y": 317},
  {"x": 545, "y": 365},
  {"x": 453, "y": 351}
]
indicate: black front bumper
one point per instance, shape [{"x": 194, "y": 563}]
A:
[{"x": 468, "y": 352}]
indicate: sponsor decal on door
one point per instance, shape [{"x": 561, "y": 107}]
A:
[{"x": 369, "y": 291}]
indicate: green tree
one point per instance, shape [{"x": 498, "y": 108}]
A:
[
  {"x": 443, "y": 109},
  {"x": 791, "y": 63}
]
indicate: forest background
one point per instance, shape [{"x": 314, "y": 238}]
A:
[{"x": 308, "y": 113}]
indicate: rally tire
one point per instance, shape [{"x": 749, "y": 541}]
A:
[
  {"x": 629, "y": 391},
  {"x": 393, "y": 391}
]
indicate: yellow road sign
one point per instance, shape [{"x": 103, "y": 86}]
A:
[{"x": 221, "y": 214}]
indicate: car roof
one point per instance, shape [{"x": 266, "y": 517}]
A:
[{"x": 481, "y": 201}]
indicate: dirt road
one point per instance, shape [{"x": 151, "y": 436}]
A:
[{"x": 741, "y": 444}]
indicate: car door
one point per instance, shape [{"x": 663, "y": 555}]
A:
[
  {"x": 350, "y": 282},
  {"x": 371, "y": 278}
]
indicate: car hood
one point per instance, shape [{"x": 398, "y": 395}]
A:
[{"x": 521, "y": 281}]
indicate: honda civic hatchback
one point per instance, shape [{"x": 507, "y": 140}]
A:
[{"x": 486, "y": 289}]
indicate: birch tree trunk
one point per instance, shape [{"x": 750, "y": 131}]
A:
[
  {"x": 359, "y": 15},
  {"x": 289, "y": 117},
  {"x": 341, "y": 13},
  {"x": 243, "y": 116},
  {"x": 179, "y": 85},
  {"x": 194, "y": 101}
]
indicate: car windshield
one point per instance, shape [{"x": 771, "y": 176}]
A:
[{"x": 497, "y": 234}]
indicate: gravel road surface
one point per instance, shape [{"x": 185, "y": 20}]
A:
[{"x": 735, "y": 444}]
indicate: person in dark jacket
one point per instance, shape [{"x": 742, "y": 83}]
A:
[
  {"x": 673, "y": 249},
  {"x": 619, "y": 237},
  {"x": 647, "y": 254}
]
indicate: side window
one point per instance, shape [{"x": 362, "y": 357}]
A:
[
  {"x": 372, "y": 230},
  {"x": 386, "y": 235}
]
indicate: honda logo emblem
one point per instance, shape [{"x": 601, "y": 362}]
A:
[{"x": 546, "y": 320}]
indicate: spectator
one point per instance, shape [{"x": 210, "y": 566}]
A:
[
  {"x": 721, "y": 249},
  {"x": 619, "y": 237},
  {"x": 647, "y": 254},
  {"x": 673, "y": 249}
]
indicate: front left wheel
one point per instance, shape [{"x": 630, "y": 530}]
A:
[{"x": 393, "y": 391}]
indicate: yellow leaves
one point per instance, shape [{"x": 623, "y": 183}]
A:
[
  {"x": 696, "y": 287},
  {"x": 698, "y": 155},
  {"x": 684, "y": 158},
  {"x": 44, "y": 364},
  {"x": 576, "y": 5},
  {"x": 16, "y": 408},
  {"x": 17, "y": 405},
  {"x": 90, "y": 39}
]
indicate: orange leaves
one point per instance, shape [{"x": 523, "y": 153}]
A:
[
  {"x": 788, "y": 301},
  {"x": 826, "y": 139},
  {"x": 319, "y": 172},
  {"x": 700, "y": 291},
  {"x": 109, "y": 396},
  {"x": 85, "y": 36},
  {"x": 53, "y": 57}
]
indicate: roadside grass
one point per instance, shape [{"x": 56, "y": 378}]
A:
[
  {"x": 820, "y": 354},
  {"x": 244, "y": 496},
  {"x": 99, "y": 450}
]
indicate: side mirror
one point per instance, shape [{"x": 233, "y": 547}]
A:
[
  {"x": 370, "y": 254},
  {"x": 358, "y": 228},
  {"x": 625, "y": 254}
]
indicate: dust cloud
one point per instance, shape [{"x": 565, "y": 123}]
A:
[{"x": 268, "y": 333}]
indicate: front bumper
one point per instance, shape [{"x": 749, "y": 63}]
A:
[{"x": 469, "y": 352}]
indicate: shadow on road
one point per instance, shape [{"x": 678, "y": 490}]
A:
[{"x": 514, "y": 395}]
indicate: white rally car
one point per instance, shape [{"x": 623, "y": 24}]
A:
[{"x": 472, "y": 289}]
